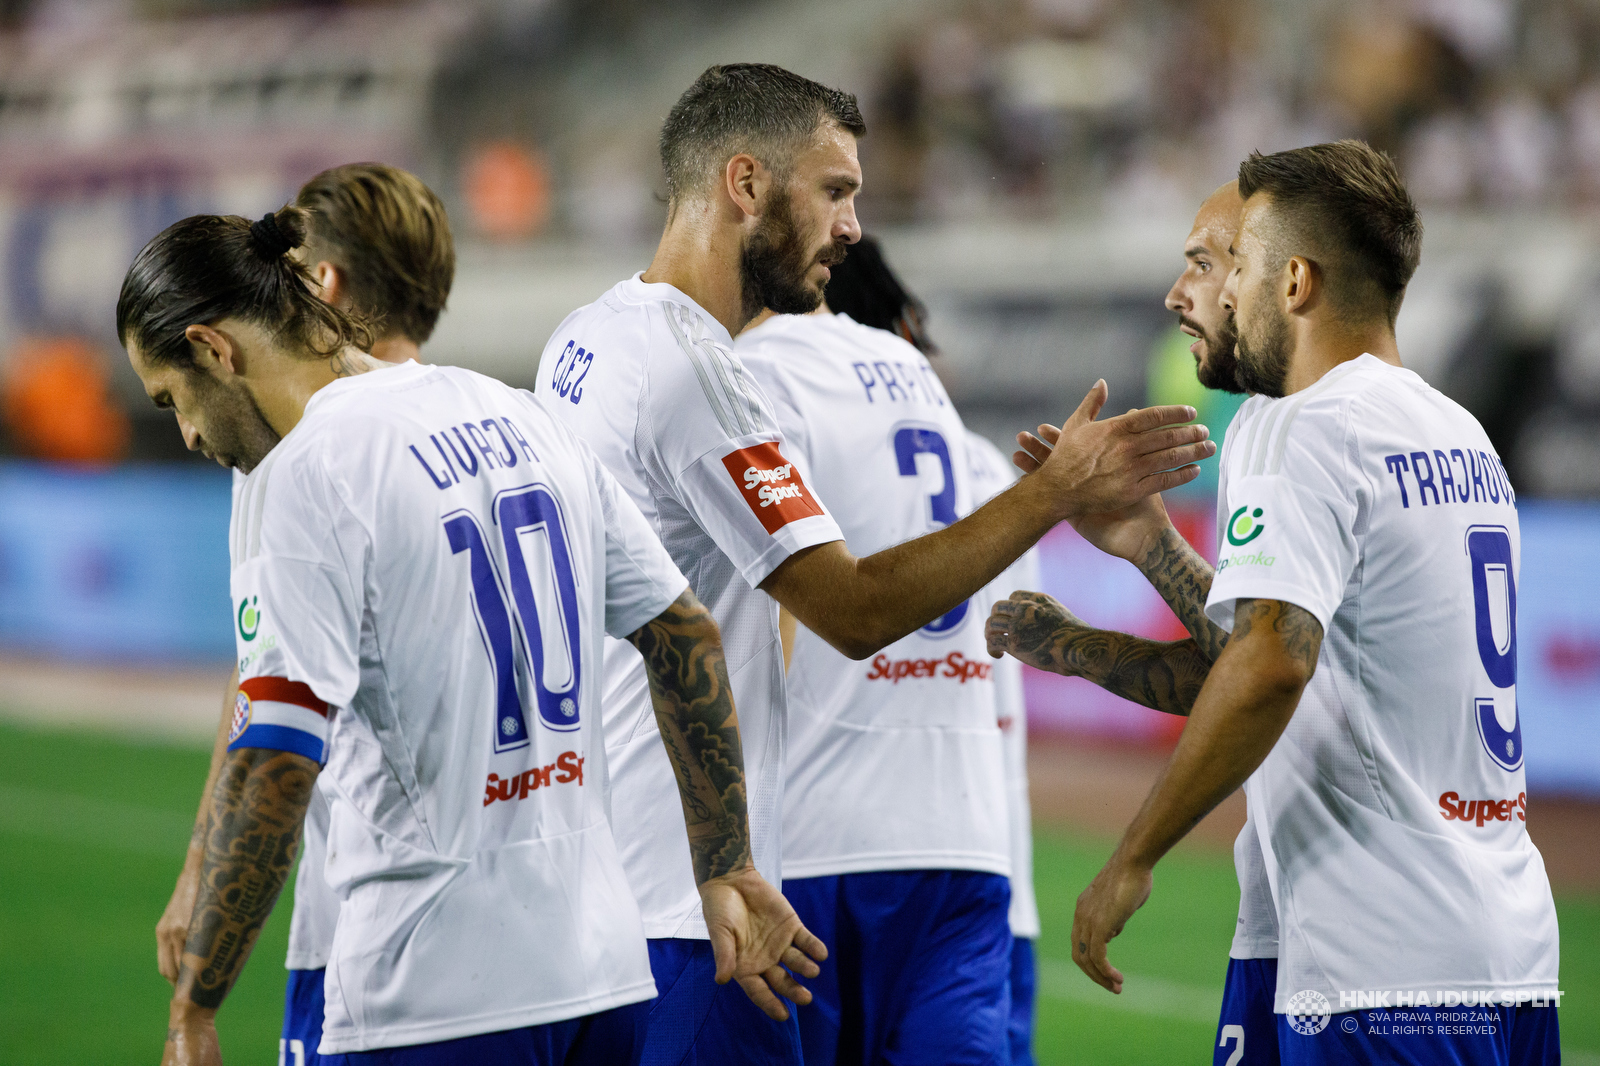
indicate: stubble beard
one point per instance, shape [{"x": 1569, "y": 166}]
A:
[
  {"x": 773, "y": 264},
  {"x": 1262, "y": 360},
  {"x": 237, "y": 430},
  {"x": 1217, "y": 367}
]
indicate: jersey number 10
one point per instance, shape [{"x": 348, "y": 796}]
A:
[{"x": 522, "y": 514}]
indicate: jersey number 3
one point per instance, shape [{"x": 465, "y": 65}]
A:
[
  {"x": 1494, "y": 603},
  {"x": 910, "y": 442},
  {"x": 542, "y": 617}
]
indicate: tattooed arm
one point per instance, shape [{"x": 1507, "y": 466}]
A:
[
  {"x": 252, "y": 835},
  {"x": 1033, "y": 627},
  {"x": 1144, "y": 535},
  {"x": 755, "y": 933},
  {"x": 172, "y": 930},
  {"x": 1246, "y": 704}
]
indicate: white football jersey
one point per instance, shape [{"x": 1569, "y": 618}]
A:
[
  {"x": 431, "y": 562},
  {"x": 993, "y": 473},
  {"x": 316, "y": 908},
  {"x": 1392, "y": 813},
  {"x": 1255, "y": 933},
  {"x": 895, "y": 762},
  {"x": 650, "y": 381}
]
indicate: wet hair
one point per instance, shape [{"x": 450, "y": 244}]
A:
[
  {"x": 757, "y": 108},
  {"x": 1344, "y": 206},
  {"x": 210, "y": 267},
  {"x": 864, "y": 288},
  {"x": 389, "y": 236}
]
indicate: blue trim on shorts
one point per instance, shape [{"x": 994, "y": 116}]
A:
[
  {"x": 1428, "y": 1036},
  {"x": 918, "y": 970},
  {"x": 1246, "y": 1025},
  {"x": 1024, "y": 987},
  {"x": 693, "y": 1021},
  {"x": 302, "y": 1019}
]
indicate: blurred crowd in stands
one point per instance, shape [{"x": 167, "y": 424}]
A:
[{"x": 1130, "y": 105}]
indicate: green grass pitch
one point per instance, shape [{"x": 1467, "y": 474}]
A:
[{"x": 93, "y": 828}]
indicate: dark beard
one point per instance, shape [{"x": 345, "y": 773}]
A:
[
  {"x": 1263, "y": 361},
  {"x": 239, "y": 432},
  {"x": 1217, "y": 369},
  {"x": 773, "y": 264}
]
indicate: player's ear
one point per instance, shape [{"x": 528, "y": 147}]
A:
[
  {"x": 1300, "y": 280},
  {"x": 330, "y": 283},
  {"x": 213, "y": 348},
  {"x": 746, "y": 182}
]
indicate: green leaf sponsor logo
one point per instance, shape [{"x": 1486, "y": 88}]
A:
[
  {"x": 1245, "y": 526},
  {"x": 249, "y": 618}
]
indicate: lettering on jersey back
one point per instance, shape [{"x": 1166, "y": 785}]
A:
[
  {"x": 473, "y": 447},
  {"x": 1479, "y": 811},
  {"x": 899, "y": 382},
  {"x": 567, "y": 768},
  {"x": 1458, "y": 475},
  {"x": 771, "y": 486}
]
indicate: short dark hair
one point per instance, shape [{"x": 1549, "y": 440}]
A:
[
  {"x": 389, "y": 235},
  {"x": 1345, "y": 205},
  {"x": 210, "y": 267},
  {"x": 864, "y": 287},
  {"x": 746, "y": 107}
]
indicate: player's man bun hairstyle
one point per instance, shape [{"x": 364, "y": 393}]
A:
[
  {"x": 865, "y": 288},
  {"x": 746, "y": 107},
  {"x": 1347, "y": 202},
  {"x": 210, "y": 267},
  {"x": 389, "y": 236}
]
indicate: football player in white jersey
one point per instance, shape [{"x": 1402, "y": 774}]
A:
[
  {"x": 1045, "y": 634},
  {"x": 1367, "y": 695},
  {"x": 761, "y": 172},
  {"x": 427, "y": 564},
  {"x": 896, "y": 846},
  {"x": 380, "y": 245},
  {"x": 992, "y": 473}
]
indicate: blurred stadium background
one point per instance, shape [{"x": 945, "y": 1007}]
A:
[{"x": 1032, "y": 168}]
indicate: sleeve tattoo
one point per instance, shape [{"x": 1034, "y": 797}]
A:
[
  {"x": 1297, "y": 629},
  {"x": 700, "y": 728},
  {"x": 1163, "y": 675},
  {"x": 1183, "y": 579},
  {"x": 252, "y": 835}
]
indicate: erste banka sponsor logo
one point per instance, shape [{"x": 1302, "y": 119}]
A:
[{"x": 771, "y": 486}]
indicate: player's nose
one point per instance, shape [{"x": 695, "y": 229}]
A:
[
  {"x": 191, "y": 435},
  {"x": 1178, "y": 298},
  {"x": 847, "y": 228}
]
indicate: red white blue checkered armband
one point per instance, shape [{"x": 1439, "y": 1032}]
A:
[{"x": 274, "y": 712}]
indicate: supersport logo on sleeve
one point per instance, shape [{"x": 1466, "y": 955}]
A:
[{"x": 771, "y": 486}]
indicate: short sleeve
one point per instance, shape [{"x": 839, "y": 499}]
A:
[
  {"x": 297, "y": 605},
  {"x": 717, "y": 444},
  {"x": 1282, "y": 540},
  {"x": 641, "y": 579}
]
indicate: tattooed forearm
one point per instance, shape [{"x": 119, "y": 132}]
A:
[
  {"x": 1163, "y": 675},
  {"x": 694, "y": 707},
  {"x": 1183, "y": 579},
  {"x": 1297, "y": 629},
  {"x": 1036, "y": 629},
  {"x": 252, "y": 835}
]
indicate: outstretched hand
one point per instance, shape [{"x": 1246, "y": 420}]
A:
[
  {"x": 757, "y": 939},
  {"x": 1100, "y": 466}
]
